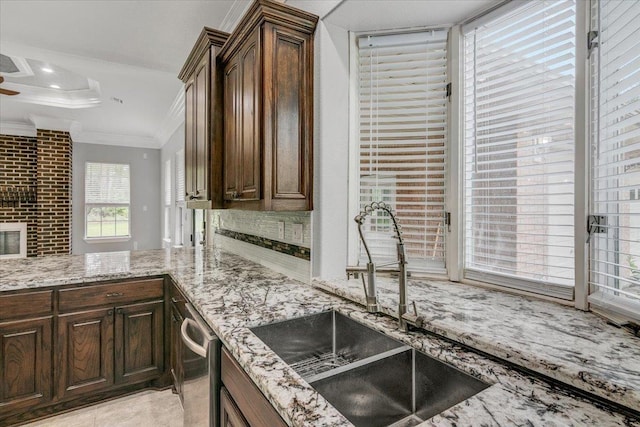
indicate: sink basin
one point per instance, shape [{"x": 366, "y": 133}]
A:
[
  {"x": 320, "y": 342},
  {"x": 384, "y": 393},
  {"x": 372, "y": 379}
]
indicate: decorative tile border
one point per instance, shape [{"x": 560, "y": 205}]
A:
[{"x": 274, "y": 245}]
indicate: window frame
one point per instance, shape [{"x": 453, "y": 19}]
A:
[
  {"x": 89, "y": 206},
  {"x": 353, "y": 204}
]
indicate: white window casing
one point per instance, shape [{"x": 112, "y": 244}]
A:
[
  {"x": 107, "y": 201},
  {"x": 615, "y": 187},
  {"x": 402, "y": 123},
  {"x": 519, "y": 142}
]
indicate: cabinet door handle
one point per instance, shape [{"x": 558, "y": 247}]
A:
[
  {"x": 174, "y": 300},
  {"x": 119, "y": 311},
  {"x": 114, "y": 294},
  {"x": 110, "y": 312}
]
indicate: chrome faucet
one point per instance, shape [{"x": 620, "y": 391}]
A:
[{"x": 372, "y": 268}]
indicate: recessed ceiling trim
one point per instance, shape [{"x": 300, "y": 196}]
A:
[
  {"x": 118, "y": 140},
  {"x": 24, "y": 69},
  {"x": 73, "y": 99}
]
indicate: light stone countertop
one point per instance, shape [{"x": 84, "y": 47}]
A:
[{"x": 233, "y": 294}]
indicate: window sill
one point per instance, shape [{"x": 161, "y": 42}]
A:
[
  {"x": 92, "y": 240},
  {"x": 618, "y": 309}
]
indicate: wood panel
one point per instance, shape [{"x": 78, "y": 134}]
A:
[
  {"x": 250, "y": 106},
  {"x": 201, "y": 128},
  {"x": 109, "y": 294},
  {"x": 26, "y": 304},
  {"x": 189, "y": 139},
  {"x": 254, "y": 406},
  {"x": 288, "y": 119},
  {"x": 231, "y": 128},
  {"x": 139, "y": 342},
  {"x": 25, "y": 364},
  {"x": 230, "y": 415},
  {"x": 85, "y": 352}
]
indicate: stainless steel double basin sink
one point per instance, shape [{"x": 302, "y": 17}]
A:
[{"x": 372, "y": 379}]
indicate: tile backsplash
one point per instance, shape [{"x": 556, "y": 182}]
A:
[
  {"x": 234, "y": 231},
  {"x": 263, "y": 224}
]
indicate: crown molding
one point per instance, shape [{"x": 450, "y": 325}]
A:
[
  {"x": 234, "y": 14},
  {"x": 18, "y": 129},
  {"x": 72, "y": 99},
  {"x": 53, "y": 123},
  {"x": 173, "y": 119},
  {"x": 119, "y": 140}
]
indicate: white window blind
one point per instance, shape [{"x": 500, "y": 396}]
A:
[
  {"x": 402, "y": 142},
  {"x": 519, "y": 97},
  {"x": 107, "y": 183},
  {"x": 615, "y": 261},
  {"x": 180, "y": 189},
  {"x": 107, "y": 197},
  {"x": 167, "y": 182}
]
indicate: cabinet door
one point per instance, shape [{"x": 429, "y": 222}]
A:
[
  {"x": 251, "y": 110},
  {"x": 231, "y": 129},
  {"x": 201, "y": 130},
  {"x": 288, "y": 121},
  {"x": 85, "y": 352},
  {"x": 25, "y": 364},
  {"x": 189, "y": 139},
  {"x": 139, "y": 342},
  {"x": 230, "y": 415},
  {"x": 176, "y": 350}
]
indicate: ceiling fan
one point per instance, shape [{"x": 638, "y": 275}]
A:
[{"x": 6, "y": 91}]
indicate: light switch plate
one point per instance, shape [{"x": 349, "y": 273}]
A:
[
  {"x": 281, "y": 230},
  {"x": 296, "y": 233}
]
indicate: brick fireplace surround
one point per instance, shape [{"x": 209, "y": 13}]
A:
[{"x": 43, "y": 162}]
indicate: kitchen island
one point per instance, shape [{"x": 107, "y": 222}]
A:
[{"x": 233, "y": 294}]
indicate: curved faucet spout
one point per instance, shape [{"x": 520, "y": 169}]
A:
[{"x": 370, "y": 289}]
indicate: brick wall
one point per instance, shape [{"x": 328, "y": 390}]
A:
[
  {"x": 54, "y": 192},
  {"x": 18, "y": 167},
  {"x": 44, "y": 162}
]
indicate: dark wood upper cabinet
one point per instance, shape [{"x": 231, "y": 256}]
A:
[
  {"x": 203, "y": 121},
  {"x": 268, "y": 109}
]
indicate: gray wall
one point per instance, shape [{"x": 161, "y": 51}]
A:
[{"x": 145, "y": 194}]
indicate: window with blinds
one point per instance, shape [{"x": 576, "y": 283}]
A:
[
  {"x": 615, "y": 252},
  {"x": 107, "y": 197},
  {"x": 519, "y": 73},
  {"x": 402, "y": 120},
  {"x": 180, "y": 190},
  {"x": 167, "y": 200}
]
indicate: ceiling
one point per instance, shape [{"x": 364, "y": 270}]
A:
[{"x": 134, "y": 50}]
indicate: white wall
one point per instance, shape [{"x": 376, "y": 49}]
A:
[
  {"x": 331, "y": 151},
  {"x": 145, "y": 196}
]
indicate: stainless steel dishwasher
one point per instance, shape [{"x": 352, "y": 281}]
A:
[{"x": 201, "y": 367}]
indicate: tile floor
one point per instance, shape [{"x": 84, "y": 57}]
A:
[{"x": 145, "y": 409}]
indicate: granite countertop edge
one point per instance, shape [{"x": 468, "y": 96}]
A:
[{"x": 234, "y": 294}]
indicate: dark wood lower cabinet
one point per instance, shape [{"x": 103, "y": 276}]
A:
[
  {"x": 230, "y": 415},
  {"x": 139, "y": 342},
  {"x": 85, "y": 352},
  {"x": 25, "y": 364}
]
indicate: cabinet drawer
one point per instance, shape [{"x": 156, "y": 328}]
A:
[
  {"x": 252, "y": 404},
  {"x": 27, "y": 304},
  {"x": 111, "y": 294}
]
